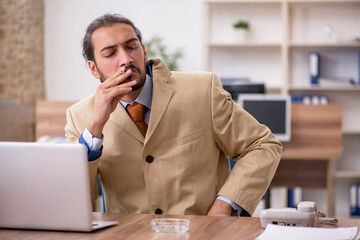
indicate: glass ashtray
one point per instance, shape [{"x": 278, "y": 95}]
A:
[{"x": 170, "y": 225}]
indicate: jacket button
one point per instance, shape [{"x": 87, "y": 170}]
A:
[
  {"x": 158, "y": 211},
  {"x": 149, "y": 158}
]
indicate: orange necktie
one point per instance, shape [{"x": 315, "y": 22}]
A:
[{"x": 137, "y": 113}]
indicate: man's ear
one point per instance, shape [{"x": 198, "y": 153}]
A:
[
  {"x": 93, "y": 69},
  {"x": 145, "y": 54}
]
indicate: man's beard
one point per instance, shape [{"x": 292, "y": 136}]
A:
[{"x": 139, "y": 84}]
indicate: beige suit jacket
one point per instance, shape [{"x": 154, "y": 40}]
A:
[{"x": 194, "y": 125}]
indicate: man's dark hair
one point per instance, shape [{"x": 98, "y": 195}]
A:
[{"x": 106, "y": 20}]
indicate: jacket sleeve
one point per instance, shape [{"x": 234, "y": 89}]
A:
[
  {"x": 254, "y": 148},
  {"x": 72, "y": 135}
]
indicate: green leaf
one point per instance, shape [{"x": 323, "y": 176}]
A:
[{"x": 155, "y": 48}]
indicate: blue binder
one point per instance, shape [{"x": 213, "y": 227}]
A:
[
  {"x": 359, "y": 68},
  {"x": 353, "y": 199},
  {"x": 314, "y": 67}
]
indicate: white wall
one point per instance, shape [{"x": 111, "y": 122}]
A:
[{"x": 67, "y": 77}]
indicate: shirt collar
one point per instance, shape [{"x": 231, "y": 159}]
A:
[{"x": 145, "y": 96}]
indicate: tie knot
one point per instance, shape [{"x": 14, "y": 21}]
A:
[{"x": 137, "y": 112}]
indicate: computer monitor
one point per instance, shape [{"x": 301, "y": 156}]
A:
[
  {"x": 241, "y": 86},
  {"x": 273, "y": 111}
]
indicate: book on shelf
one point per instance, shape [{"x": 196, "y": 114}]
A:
[
  {"x": 278, "y": 197},
  {"x": 348, "y": 40},
  {"x": 357, "y": 200},
  {"x": 336, "y": 82},
  {"x": 314, "y": 67},
  {"x": 282, "y": 197},
  {"x": 318, "y": 80},
  {"x": 294, "y": 196},
  {"x": 354, "y": 199},
  {"x": 314, "y": 99}
]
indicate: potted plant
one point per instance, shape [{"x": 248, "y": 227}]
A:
[
  {"x": 241, "y": 30},
  {"x": 155, "y": 48}
]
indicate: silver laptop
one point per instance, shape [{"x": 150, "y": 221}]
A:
[{"x": 46, "y": 186}]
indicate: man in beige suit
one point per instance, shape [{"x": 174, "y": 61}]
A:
[{"x": 174, "y": 160}]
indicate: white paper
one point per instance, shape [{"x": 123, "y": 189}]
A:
[{"x": 309, "y": 233}]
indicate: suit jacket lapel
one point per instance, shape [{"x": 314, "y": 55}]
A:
[
  {"x": 121, "y": 118},
  {"x": 162, "y": 93}
]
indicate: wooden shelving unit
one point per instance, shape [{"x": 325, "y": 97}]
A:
[{"x": 282, "y": 34}]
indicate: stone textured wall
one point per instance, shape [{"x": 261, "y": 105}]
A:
[{"x": 22, "y": 50}]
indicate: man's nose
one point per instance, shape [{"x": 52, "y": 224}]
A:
[{"x": 124, "y": 58}]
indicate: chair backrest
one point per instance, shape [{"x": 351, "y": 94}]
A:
[
  {"x": 16, "y": 122},
  {"x": 51, "y": 118}
]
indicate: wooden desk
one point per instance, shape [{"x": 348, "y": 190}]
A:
[
  {"x": 137, "y": 226},
  {"x": 316, "y": 142}
]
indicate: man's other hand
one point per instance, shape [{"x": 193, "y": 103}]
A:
[{"x": 220, "y": 208}]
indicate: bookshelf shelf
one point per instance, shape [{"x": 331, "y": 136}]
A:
[
  {"x": 245, "y": 44},
  {"x": 323, "y": 1},
  {"x": 325, "y": 45},
  {"x": 229, "y": 2},
  {"x": 325, "y": 89}
]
